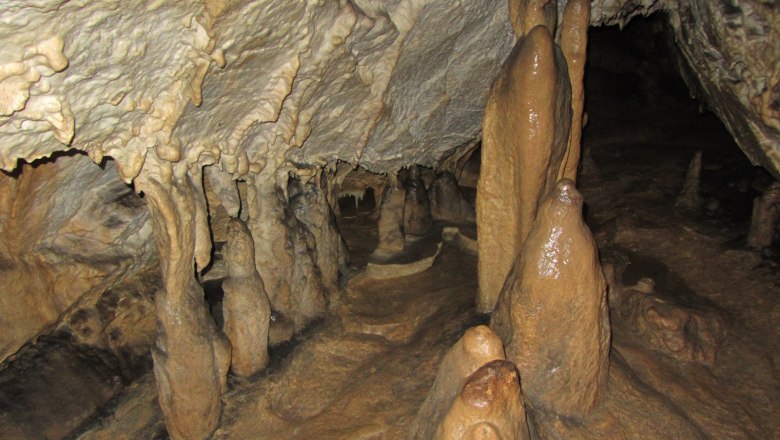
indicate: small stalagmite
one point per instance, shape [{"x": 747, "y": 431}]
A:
[
  {"x": 489, "y": 406},
  {"x": 552, "y": 314},
  {"x": 246, "y": 307},
  {"x": 391, "y": 219},
  {"x": 417, "y": 211},
  {"x": 689, "y": 198},
  {"x": 766, "y": 213},
  {"x": 525, "y": 134},
  {"x": 447, "y": 202},
  {"x": 478, "y": 346}
]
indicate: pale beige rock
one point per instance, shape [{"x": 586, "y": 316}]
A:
[
  {"x": 766, "y": 213},
  {"x": 245, "y": 306},
  {"x": 574, "y": 44},
  {"x": 478, "y": 346},
  {"x": 186, "y": 350},
  {"x": 488, "y": 407},
  {"x": 552, "y": 314},
  {"x": 391, "y": 219},
  {"x": 525, "y": 136},
  {"x": 417, "y": 207},
  {"x": 447, "y": 202}
]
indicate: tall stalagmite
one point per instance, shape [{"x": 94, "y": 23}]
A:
[
  {"x": 246, "y": 308},
  {"x": 524, "y": 140},
  {"x": 552, "y": 314},
  {"x": 574, "y": 44},
  {"x": 186, "y": 355},
  {"x": 417, "y": 208},
  {"x": 391, "y": 219}
]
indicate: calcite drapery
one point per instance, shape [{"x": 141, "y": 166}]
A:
[
  {"x": 246, "y": 308},
  {"x": 524, "y": 140},
  {"x": 552, "y": 314}
]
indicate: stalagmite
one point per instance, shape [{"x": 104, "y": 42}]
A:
[
  {"x": 225, "y": 188},
  {"x": 488, "y": 407},
  {"x": 391, "y": 219},
  {"x": 552, "y": 314},
  {"x": 447, "y": 202},
  {"x": 246, "y": 308},
  {"x": 525, "y": 136},
  {"x": 417, "y": 208},
  {"x": 766, "y": 213},
  {"x": 284, "y": 253},
  {"x": 574, "y": 44},
  {"x": 527, "y": 14},
  {"x": 689, "y": 198},
  {"x": 478, "y": 346},
  {"x": 185, "y": 355}
]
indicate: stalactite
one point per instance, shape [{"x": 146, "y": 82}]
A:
[{"x": 574, "y": 44}]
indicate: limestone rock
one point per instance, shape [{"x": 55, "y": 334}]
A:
[
  {"x": 478, "y": 346},
  {"x": 417, "y": 207},
  {"x": 246, "y": 308},
  {"x": 447, "y": 202},
  {"x": 689, "y": 199},
  {"x": 552, "y": 314},
  {"x": 525, "y": 137},
  {"x": 488, "y": 407},
  {"x": 391, "y": 219}
]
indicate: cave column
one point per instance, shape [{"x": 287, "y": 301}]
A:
[{"x": 189, "y": 355}]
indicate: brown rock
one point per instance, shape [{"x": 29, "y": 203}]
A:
[
  {"x": 391, "y": 219},
  {"x": 574, "y": 44},
  {"x": 447, "y": 202},
  {"x": 478, "y": 346},
  {"x": 417, "y": 209},
  {"x": 689, "y": 198},
  {"x": 552, "y": 314},
  {"x": 488, "y": 407},
  {"x": 766, "y": 213},
  {"x": 527, "y": 14},
  {"x": 525, "y": 137},
  {"x": 246, "y": 307}
]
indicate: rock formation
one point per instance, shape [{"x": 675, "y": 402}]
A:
[
  {"x": 417, "y": 207},
  {"x": 689, "y": 199},
  {"x": 391, "y": 219},
  {"x": 766, "y": 214},
  {"x": 552, "y": 314},
  {"x": 525, "y": 137},
  {"x": 186, "y": 353},
  {"x": 447, "y": 202},
  {"x": 246, "y": 309},
  {"x": 478, "y": 346},
  {"x": 488, "y": 407}
]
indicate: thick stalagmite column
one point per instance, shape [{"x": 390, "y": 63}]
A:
[
  {"x": 187, "y": 354},
  {"x": 246, "y": 308},
  {"x": 488, "y": 407},
  {"x": 391, "y": 219},
  {"x": 552, "y": 315},
  {"x": 524, "y": 139},
  {"x": 417, "y": 209},
  {"x": 574, "y": 44},
  {"x": 478, "y": 346}
]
